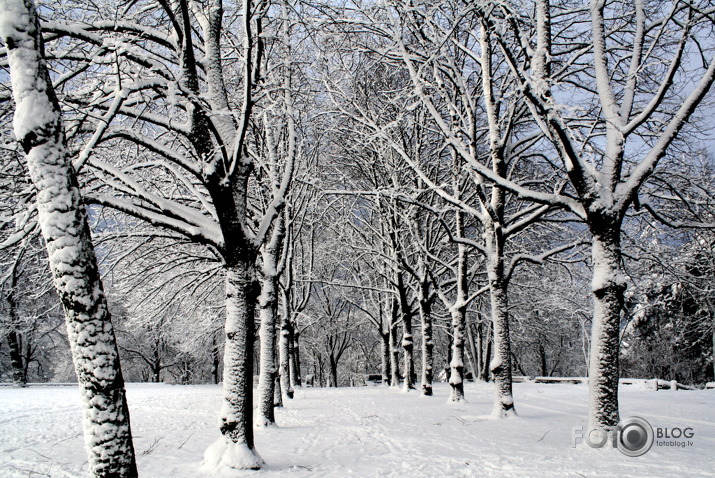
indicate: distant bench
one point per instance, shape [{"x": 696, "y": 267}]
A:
[
  {"x": 524, "y": 379},
  {"x": 653, "y": 384}
]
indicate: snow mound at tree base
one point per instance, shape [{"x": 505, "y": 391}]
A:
[{"x": 225, "y": 455}]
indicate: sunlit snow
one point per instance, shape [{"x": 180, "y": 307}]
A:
[{"x": 363, "y": 432}]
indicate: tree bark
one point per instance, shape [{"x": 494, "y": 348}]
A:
[
  {"x": 156, "y": 373},
  {"x": 268, "y": 304},
  {"x": 284, "y": 358},
  {"x": 295, "y": 378},
  {"x": 385, "y": 362},
  {"x": 608, "y": 289},
  {"x": 427, "y": 338},
  {"x": 501, "y": 363},
  {"x": 458, "y": 314},
  {"x": 277, "y": 394},
  {"x": 407, "y": 338},
  {"x": 63, "y": 222},
  {"x": 268, "y": 369},
  {"x": 456, "y": 364},
  {"x": 14, "y": 342},
  {"x": 473, "y": 355},
  {"x": 19, "y": 376},
  {"x": 479, "y": 352},
  {"x": 487, "y": 354},
  {"x": 156, "y": 362},
  {"x": 394, "y": 349},
  {"x": 318, "y": 368},
  {"x": 215, "y": 360},
  {"x": 236, "y": 448},
  {"x": 333, "y": 376}
]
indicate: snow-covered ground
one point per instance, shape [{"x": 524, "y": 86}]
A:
[{"x": 364, "y": 432}]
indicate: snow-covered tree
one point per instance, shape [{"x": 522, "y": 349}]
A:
[
  {"x": 189, "y": 114},
  {"x": 63, "y": 220},
  {"x": 611, "y": 86}
]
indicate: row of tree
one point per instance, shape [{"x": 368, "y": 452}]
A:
[{"x": 350, "y": 174}]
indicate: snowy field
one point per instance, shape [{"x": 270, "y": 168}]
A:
[{"x": 363, "y": 432}]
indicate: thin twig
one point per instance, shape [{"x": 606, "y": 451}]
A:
[{"x": 184, "y": 442}]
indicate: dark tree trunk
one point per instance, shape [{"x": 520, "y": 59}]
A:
[
  {"x": 296, "y": 379},
  {"x": 542, "y": 361},
  {"x": 284, "y": 348},
  {"x": 394, "y": 349},
  {"x": 318, "y": 369},
  {"x": 479, "y": 352},
  {"x": 407, "y": 338},
  {"x": 333, "y": 377},
  {"x": 215, "y": 360},
  {"x": 427, "y": 338},
  {"x": 156, "y": 362},
  {"x": 487, "y": 355},
  {"x": 385, "y": 362},
  {"x": 277, "y": 394},
  {"x": 19, "y": 374},
  {"x": 14, "y": 341}
]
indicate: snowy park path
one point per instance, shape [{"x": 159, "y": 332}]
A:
[{"x": 363, "y": 432}]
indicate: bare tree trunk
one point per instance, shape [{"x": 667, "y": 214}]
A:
[
  {"x": 318, "y": 368},
  {"x": 236, "y": 448},
  {"x": 394, "y": 349},
  {"x": 427, "y": 339},
  {"x": 19, "y": 370},
  {"x": 268, "y": 369},
  {"x": 487, "y": 354},
  {"x": 608, "y": 295},
  {"x": 284, "y": 358},
  {"x": 501, "y": 363},
  {"x": 215, "y": 359},
  {"x": 295, "y": 378},
  {"x": 458, "y": 313},
  {"x": 277, "y": 395},
  {"x": 385, "y": 363},
  {"x": 19, "y": 376},
  {"x": 268, "y": 304},
  {"x": 407, "y": 347},
  {"x": 407, "y": 339},
  {"x": 456, "y": 376},
  {"x": 479, "y": 352},
  {"x": 473, "y": 356},
  {"x": 156, "y": 361},
  {"x": 333, "y": 376},
  {"x": 63, "y": 221}
]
